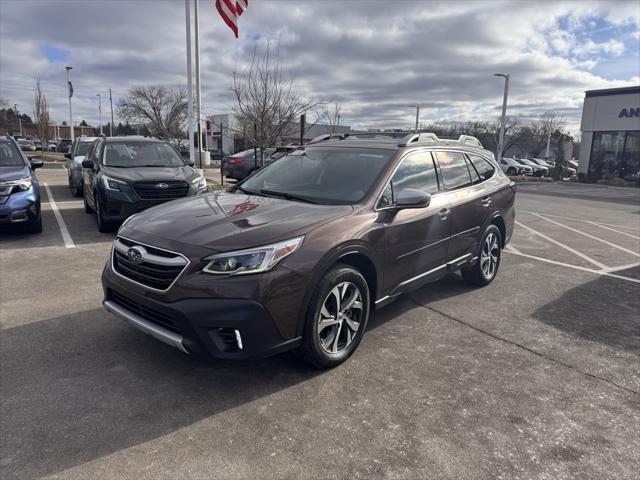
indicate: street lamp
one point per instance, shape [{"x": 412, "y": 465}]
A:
[
  {"x": 506, "y": 77},
  {"x": 68, "y": 69},
  {"x": 100, "y": 111},
  {"x": 15, "y": 109},
  {"x": 417, "y": 107}
]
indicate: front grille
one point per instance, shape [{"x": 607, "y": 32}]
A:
[
  {"x": 147, "y": 313},
  {"x": 152, "y": 191},
  {"x": 158, "y": 269}
]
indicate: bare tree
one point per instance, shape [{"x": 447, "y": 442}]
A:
[
  {"x": 331, "y": 113},
  {"x": 162, "y": 110},
  {"x": 41, "y": 112},
  {"x": 548, "y": 124},
  {"x": 267, "y": 100}
]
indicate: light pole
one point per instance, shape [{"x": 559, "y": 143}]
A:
[
  {"x": 417, "y": 116},
  {"x": 111, "y": 103},
  {"x": 100, "y": 110},
  {"x": 504, "y": 113},
  {"x": 15, "y": 109},
  {"x": 68, "y": 69}
]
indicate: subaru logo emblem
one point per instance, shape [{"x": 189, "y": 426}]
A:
[
  {"x": 162, "y": 185},
  {"x": 136, "y": 254}
]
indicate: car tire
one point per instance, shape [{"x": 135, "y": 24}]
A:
[
  {"x": 35, "y": 227},
  {"x": 486, "y": 267},
  {"x": 333, "y": 330},
  {"x": 511, "y": 171},
  {"x": 103, "y": 225},
  {"x": 87, "y": 208}
]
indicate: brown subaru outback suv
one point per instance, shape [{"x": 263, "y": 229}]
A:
[{"x": 300, "y": 253}]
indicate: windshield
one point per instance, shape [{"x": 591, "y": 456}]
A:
[
  {"x": 10, "y": 156},
  {"x": 82, "y": 148},
  {"x": 141, "y": 154},
  {"x": 333, "y": 176}
]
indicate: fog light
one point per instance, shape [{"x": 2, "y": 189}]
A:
[{"x": 238, "y": 339}]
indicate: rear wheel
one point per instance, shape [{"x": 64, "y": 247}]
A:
[
  {"x": 486, "y": 268},
  {"x": 337, "y": 317}
]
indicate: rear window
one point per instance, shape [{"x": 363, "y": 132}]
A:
[
  {"x": 10, "y": 156},
  {"x": 455, "y": 173},
  {"x": 484, "y": 168}
]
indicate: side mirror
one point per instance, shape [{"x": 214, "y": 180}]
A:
[
  {"x": 68, "y": 155},
  {"x": 86, "y": 163},
  {"x": 412, "y": 198},
  {"x": 36, "y": 163},
  {"x": 190, "y": 162}
]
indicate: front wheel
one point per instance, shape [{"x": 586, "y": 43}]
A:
[
  {"x": 87, "y": 208},
  {"x": 103, "y": 226},
  {"x": 337, "y": 317},
  {"x": 511, "y": 171},
  {"x": 486, "y": 267}
]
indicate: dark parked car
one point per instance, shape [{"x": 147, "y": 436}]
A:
[
  {"x": 300, "y": 253},
  {"x": 64, "y": 145},
  {"x": 242, "y": 164},
  {"x": 75, "y": 158},
  {"x": 124, "y": 175},
  {"x": 19, "y": 189}
]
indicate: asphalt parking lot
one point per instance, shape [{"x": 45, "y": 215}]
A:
[{"x": 534, "y": 376}]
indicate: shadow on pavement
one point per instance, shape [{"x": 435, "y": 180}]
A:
[
  {"x": 604, "y": 310},
  {"x": 82, "y": 386}
]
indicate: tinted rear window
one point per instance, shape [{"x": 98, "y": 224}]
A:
[{"x": 455, "y": 173}]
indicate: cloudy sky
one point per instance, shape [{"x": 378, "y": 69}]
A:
[{"x": 376, "y": 57}]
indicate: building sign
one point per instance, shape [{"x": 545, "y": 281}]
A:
[{"x": 629, "y": 113}]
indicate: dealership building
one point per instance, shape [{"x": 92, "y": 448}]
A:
[{"x": 610, "y": 145}]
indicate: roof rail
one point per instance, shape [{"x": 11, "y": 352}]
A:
[
  {"x": 425, "y": 137},
  {"x": 469, "y": 140}
]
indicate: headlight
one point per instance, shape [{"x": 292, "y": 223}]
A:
[
  {"x": 21, "y": 185},
  {"x": 199, "y": 182},
  {"x": 112, "y": 183},
  {"x": 254, "y": 260}
]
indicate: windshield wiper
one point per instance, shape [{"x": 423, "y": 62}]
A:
[
  {"x": 287, "y": 196},
  {"x": 248, "y": 192}
]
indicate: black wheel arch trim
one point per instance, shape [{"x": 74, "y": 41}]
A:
[{"x": 327, "y": 261}]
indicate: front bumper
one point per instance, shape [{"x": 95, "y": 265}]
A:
[
  {"x": 118, "y": 206},
  {"x": 203, "y": 323},
  {"x": 20, "y": 207}
]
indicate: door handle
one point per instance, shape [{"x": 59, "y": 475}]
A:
[
  {"x": 486, "y": 201},
  {"x": 444, "y": 213}
]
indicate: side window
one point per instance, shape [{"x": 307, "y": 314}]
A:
[
  {"x": 455, "y": 173},
  {"x": 416, "y": 171},
  {"x": 484, "y": 168}
]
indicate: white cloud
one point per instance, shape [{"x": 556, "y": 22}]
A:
[{"x": 375, "y": 58}]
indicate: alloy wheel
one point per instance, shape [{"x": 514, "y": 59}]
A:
[
  {"x": 489, "y": 256},
  {"x": 340, "y": 317}
]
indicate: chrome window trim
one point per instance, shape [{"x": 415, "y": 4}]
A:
[{"x": 150, "y": 246}]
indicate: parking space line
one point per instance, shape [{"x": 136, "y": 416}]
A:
[
  {"x": 599, "y": 224},
  {"x": 575, "y": 267},
  {"x": 512, "y": 249},
  {"x": 614, "y": 230},
  {"x": 588, "y": 235},
  {"x": 622, "y": 267},
  {"x": 66, "y": 236},
  {"x": 601, "y": 266}
]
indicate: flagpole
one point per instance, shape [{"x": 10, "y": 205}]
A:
[
  {"x": 198, "y": 92},
  {"x": 187, "y": 11}
]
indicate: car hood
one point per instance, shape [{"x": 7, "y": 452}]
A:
[
  {"x": 227, "y": 221},
  {"x": 142, "y": 174},
  {"x": 14, "y": 173}
]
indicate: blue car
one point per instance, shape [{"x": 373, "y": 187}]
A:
[{"x": 19, "y": 189}]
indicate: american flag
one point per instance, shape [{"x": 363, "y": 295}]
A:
[{"x": 230, "y": 10}]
